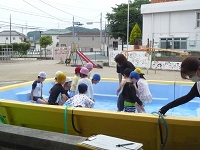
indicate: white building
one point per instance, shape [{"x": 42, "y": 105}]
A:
[
  {"x": 16, "y": 37},
  {"x": 54, "y": 33},
  {"x": 172, "y": 25}
]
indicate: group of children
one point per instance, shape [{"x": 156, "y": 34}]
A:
[
  {"x": 135, "y": 91},
  {"x": 77, "y": 92}
]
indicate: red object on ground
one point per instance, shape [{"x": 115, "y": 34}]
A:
[{"x": 85, "y": 58}]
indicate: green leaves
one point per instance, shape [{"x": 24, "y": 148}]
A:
[
  {"x": 45, "y": 41},
  {"x": 136, "y": 35},
  {"x": 118, "y": 18}
]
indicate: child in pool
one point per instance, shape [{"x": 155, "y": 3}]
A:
[
  {"x": 144, "y": 93},
  {"x": 129, "y": 93},
  {"x": 81, "y": 99}
]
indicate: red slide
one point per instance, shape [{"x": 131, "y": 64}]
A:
[{"x": 85, "y": 58}]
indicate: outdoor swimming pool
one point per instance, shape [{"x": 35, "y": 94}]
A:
[{"x": 106, "y": 98}]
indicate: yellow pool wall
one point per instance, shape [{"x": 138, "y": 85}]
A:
[{"x": 183, "y": 132}]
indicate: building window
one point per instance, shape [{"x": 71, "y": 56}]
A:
[
  {"x": 63, "y": 45},
  {"x": 180, "y": 43},
  {"x": 115, "y": 45},
  {"x": 57, "y": 44},
  {"x": 166, "y": 43},
  {"x": 173, "y": 43},
  {"x": 198, "y": 19},
  {"x": 6, "y": 38},
  {"x": 13, "y": 38}
]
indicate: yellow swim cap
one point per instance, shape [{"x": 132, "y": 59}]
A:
[
  {"x": 61, "y": 77},
  {"x": 139, "y": 70}
]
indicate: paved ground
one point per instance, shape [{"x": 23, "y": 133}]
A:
[{"x": 27, "y": 70}]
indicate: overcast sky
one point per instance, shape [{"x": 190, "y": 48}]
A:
[{"x": 41, "y": 15}]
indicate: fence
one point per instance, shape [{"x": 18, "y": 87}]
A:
[
  {"x": 7, "y": 54},
  {"x": 163, "y": 59}
]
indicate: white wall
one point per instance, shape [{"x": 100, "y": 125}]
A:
[
  {"x": 171, "y": 19},
  {"x": 4, "y": 41},
  {"x": 171, "y": 24}
]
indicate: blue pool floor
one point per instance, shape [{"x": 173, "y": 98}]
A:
[
  {"x": 106, "y": 98},
  {"x": 110, "y": 103}
]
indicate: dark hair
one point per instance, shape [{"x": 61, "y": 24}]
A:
[
  {"x": 82, "y": 88},
  {"x": 83, "y": 75},
  {"x": 127, "y": 72},
  {"x": 189, "y": 65},
  {"x": 120, "y": 59},
  {"x": 142, "y": 76}
]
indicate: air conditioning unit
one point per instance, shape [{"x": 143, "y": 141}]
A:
[{"x": 192, "y": 43}]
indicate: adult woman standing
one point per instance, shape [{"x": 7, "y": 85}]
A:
[
  {"x": 190, "y": 69},
  {"x": 122, "y": 64}
]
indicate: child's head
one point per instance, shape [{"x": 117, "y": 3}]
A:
[
  {"x": 89, "y": 66},
  {"x": 134, "y": 76},
  {"x": 82, "y": 88},
  {"x": 84, "y": 72},
  {"x": 61, "y": 77},
  {"x": 127, "y": 72},
  {"x": 96, "y": 78},
  {"x": 139, "y": 70},
  {"x": 42, "y": 76},
  {"x": 68, "y": 83},
  {"x": 190, "y": 68},
  {"x": 57, "y": 72},
  {"x": 77, "y": 70}
]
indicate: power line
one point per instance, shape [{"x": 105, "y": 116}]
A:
[
  {"x": 27, "y": 13},
  {"x": 22, "y": 26},
  {"x": 60, "y": 9},
  {"x": 43, "y": 22},
  {"x": 44, "y": 11}
]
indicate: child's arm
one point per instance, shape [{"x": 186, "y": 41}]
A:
[
  {"x": 32, "y": 95},
  {"x": 121, "y": 85},
  {"x": 69, "y": 101},
  {"x": 33, "y": 87},
  {"x": 134, "y": 96},
  {"x": 89, "y": 103},
  {"x": 136, "y": 89}
]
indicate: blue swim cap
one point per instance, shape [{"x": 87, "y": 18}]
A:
[
  {"x": 96, "y": 77},
  {"x": 135, "y": 75}
]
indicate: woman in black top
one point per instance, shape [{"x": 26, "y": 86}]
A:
[
  {"x": 122, "y": 64},
  {"x": 190, "y": 69}
]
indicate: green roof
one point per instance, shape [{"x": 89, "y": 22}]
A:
[{"x": 55, "y": 32}]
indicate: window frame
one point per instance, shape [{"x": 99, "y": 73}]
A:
[
  {"x": 179, "y": 40},
  {"x": 197, "y": 20}
]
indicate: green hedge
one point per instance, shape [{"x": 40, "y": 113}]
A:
[{"x": 21, "y": 48}]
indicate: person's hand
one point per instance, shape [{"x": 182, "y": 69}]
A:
[
  {"x": 160, "y": 111},
  {"x": 117, "y": 92}
]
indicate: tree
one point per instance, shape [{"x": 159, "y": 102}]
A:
[
  {"x": 136, "y": 35},
  {"x": 45, "y": 41},
  {"x": 118, "y": 19}
]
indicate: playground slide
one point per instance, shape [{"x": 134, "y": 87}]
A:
[{"x": 85, "y": 58}]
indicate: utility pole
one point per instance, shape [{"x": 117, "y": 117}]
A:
[
  {"x": 101, "y": 31},
  {"x": 73, "y": 29},
  {"x": 10, "y": 28},
  {"x": 127, "y": 25}
]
